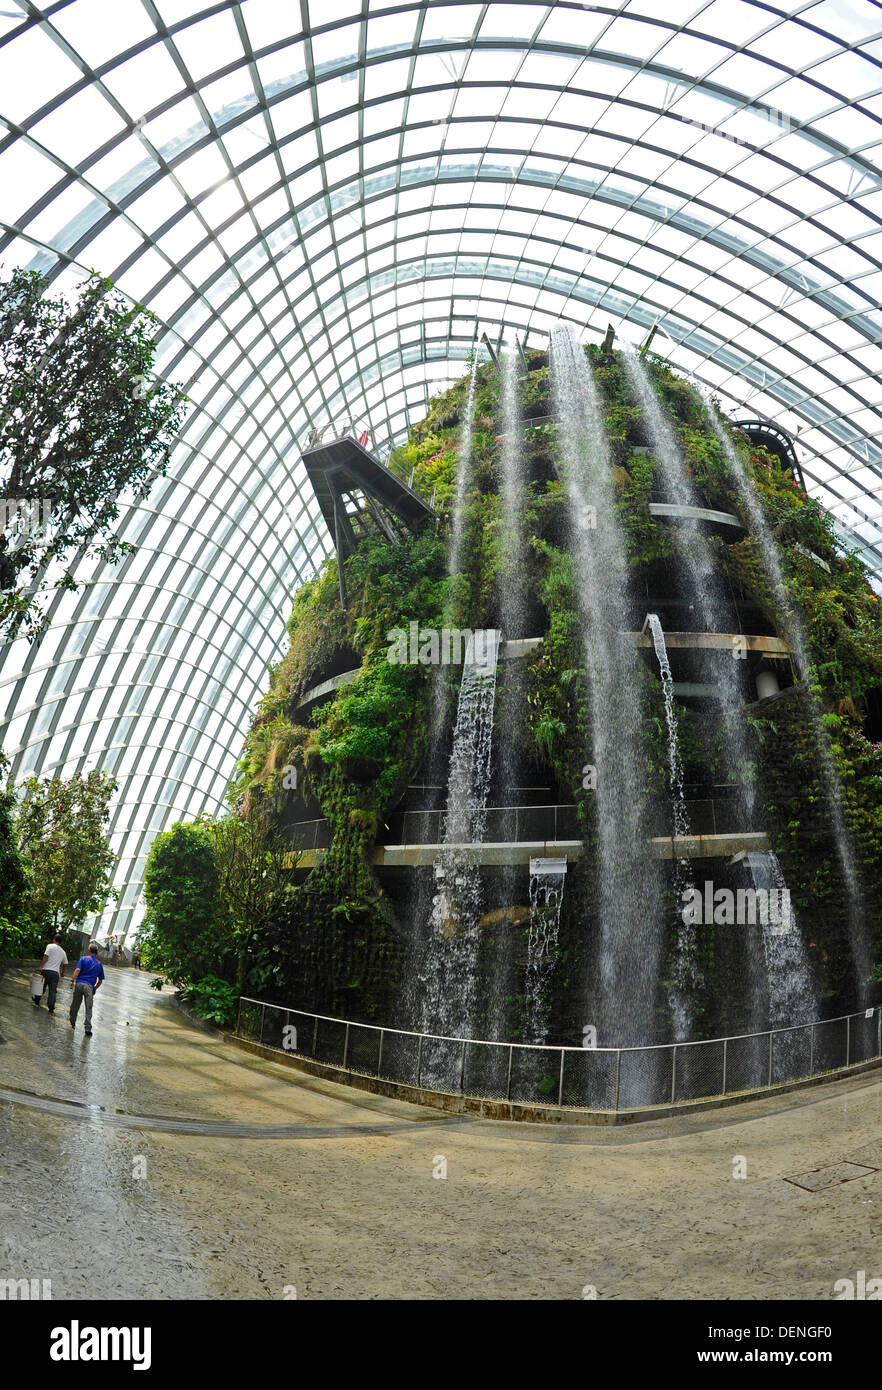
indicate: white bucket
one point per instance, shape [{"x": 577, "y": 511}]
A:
[{"x": 38, "y": 984}]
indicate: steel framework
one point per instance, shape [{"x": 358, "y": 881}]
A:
[{"x": 328, "y": 203}]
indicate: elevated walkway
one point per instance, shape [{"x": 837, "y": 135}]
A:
[
  {"x": 517, "y": 834},
  {"x": 673, "y": 511},
  {"x": 520, "y": 647}
]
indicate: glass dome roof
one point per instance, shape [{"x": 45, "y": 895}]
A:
[{"x": 325, "y": 203}]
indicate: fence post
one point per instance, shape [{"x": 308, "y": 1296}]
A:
[
  {"x": 262, "y": 1019},
  {"x": 725, "y": 1043},
  {"x": 346, "y": 1045},
  {"x": 674, "y": 1075},
  {"x": 380, "y": 1054},
  {"x": 560, "y": 1084},
  {"x": 812, "y": 1051},
  {"x": 879, "y": 1034},
  {"x": 315, "y": 1038},
  {"x": 848, "y": 1040},
  {"x": 419, "y": 1060},
  {"x": 462, "y": 1063},
  {"x": 769, "y": 1082},
  {"x": 239, "y": 1017},
  {"x": 618, "y": 1075},
  {"x": 508, "y": 1079}
]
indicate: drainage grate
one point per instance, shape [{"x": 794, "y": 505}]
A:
[{"x": 818, "y": 1179}]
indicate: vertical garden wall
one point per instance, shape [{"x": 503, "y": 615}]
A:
[{"x": 358, "y": 753}]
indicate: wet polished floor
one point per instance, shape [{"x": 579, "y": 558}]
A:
[{"x": 155, "y": 1160}]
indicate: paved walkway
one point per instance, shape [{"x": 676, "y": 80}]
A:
[{"x": 257, "y": 1179}]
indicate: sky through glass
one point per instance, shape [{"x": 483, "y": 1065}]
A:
[{"x": 324, "y": 203}]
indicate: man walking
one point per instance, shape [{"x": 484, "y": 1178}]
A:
[
  {"x": 86, "y": 980},
  {"x": 54, "y": 961}
]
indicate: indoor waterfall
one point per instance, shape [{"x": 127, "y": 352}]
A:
[
  {"x": 448, "y": 994},
  {"x": 797, "y": 637},
  {"x": 547, "y": 879},
  {"x": 685, "y": 968},
  {"x": 629, "y": 892}
]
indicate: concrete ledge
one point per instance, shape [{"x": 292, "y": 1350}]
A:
[
  {"x": 709, "y": 846},
  {"x": 673, "y": 511},
  {"x": 326, "y": 687},
  {"x": 489, "y": 853},
  {"x": 495, "y": 855},
  {"x": 202, "y": 1023},
  {"x": 514, "y": 648},
  {"x": 715, "y": 641},
  {"x": 456, "y": 1104}
]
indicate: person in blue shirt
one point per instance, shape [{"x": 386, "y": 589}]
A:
[{"x": 86, "y": 980}]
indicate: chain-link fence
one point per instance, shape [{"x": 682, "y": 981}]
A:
[{"x": 596, "y": 1078}]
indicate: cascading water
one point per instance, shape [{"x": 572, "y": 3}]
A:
[
  {"x": 428, "y": 978},
  {"x": 512, "y": 590},
  {"x": 791, "y": 997},
  {"x": 797, "y": 637},
  {"x": 708, "y": 599},
  {"x": 547, "y": 878},
  {"x": 687, "y": 977},
  {"x": 440, "y": 675},
  {"x": 704, "y": 586},
  {"x": 675, "y": 765},
  {"x": 629, "y": 898},
  {"x": 448, "y": 995},
  {"x": 463, "y": 476},
  {"x": 512, "y": 607}
]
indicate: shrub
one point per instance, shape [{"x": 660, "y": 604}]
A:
[{"x": 213, "y": 999}]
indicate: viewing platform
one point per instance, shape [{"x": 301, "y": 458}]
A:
[{"x": 517, "y": 834}]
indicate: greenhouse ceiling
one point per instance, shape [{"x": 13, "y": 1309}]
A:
[{"x": 325, "y": 204}]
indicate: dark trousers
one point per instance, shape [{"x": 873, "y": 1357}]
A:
[
  {"x": 51, "y": 978},
  {"x": 82, "y": 993}
]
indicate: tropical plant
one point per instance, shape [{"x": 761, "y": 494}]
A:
[
  {"x": 13, "y": 880},
  {"x": 254, "y": 860},
  {"x": 213, "y": 999},
  {"x": 183, "y": 931},
  {"x": 60, "y": 827},
  {"x": 82, "y": 422}
]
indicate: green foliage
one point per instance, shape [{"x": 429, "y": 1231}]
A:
[
  {"x": 82, "y": 421},
  {"x": 213, "y": 890},
  {"x": 13, "y": 880},
  {"x": 356, "y": 755},
  {"x": 60, "y": 827},
  {"x": 253, "y": 861},
  {"x": 213, "y": 999},
  {"x": 184, "y": 933}
]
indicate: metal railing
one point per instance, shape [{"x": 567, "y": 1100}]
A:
[
  {"x": 601, "y": 1078},
  {"x": 517, "y": 824}
]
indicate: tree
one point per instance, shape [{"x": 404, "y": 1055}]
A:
[
  {"x": 254, "y": 862},
  {"x": 184, "y": 932},
  {"x": 62, "y": 840},
  {"x": 81, "y": 422},
  {"x": 12, "y": 875}
]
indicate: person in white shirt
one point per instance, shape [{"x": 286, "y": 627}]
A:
[{"x": 52, "y": 967}]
